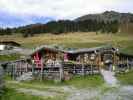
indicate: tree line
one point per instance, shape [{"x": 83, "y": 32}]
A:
[{"x": 64, "y": 26}]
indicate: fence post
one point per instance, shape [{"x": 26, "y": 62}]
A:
[
  {"x": 61, "y": 71},
  {"x": 33, "y": 66},
  {"x": 14, "y": 70},
  {"x": 128, "y": 67},
  {"x": 83, "y": 71}
]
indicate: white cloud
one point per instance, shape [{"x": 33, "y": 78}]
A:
[{"x": 62, "y": 9}]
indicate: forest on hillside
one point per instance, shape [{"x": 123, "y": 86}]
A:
[
  {"x": 64, "y": 26},
  {"x": 106, "y": 22}
]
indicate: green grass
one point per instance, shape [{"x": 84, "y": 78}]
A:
[
  {"x": 33, "y": 85},
  {"x": 11, "y": 94},
  {"x": 82, "y": 45},
  {"x": 76, "y": 40},
  {"x": 126, "y": 79},
  {"x": 77, "y": 81},
  {"x": 126, "y": 46},
  {"x": 80, "y": 82},
  {"x": 89, "y": 81},
  {"x": 9, "y": 57},
  {"x": 86, "y": 81}
]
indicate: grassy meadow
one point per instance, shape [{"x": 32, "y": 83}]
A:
[
  {"x": 78, "y": 82},
  {"x": 126, "y": 79},
  {"x": 10, "y": 57},
  {"x": 76, "y": 40}
]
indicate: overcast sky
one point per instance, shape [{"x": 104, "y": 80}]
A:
[{"x": 21, "y": 12}]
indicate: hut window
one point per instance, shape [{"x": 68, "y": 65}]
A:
[
  {"x": 92, "y": 57},
  {"x": 86, "y": 57},
  {"x": 65, "y": 57},
  {"x": 108, "y": 57},
  {"x": 78, "y": 58}
]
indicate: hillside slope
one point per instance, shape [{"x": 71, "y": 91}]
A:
[{"x": 108, "y": 16}]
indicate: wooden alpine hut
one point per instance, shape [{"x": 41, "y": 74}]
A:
[{"x": 58, "y": 63}]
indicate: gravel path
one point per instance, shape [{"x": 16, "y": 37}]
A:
[
  {"x": 109, "y": 77},
  {"x": 119, "y": 93},
  {"x": 83, "y": 94}
]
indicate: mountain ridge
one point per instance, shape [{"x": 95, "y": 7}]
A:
[{"x": 107, "y": 16}]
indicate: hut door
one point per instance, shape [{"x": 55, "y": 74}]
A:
[{"x": 108, "y": 61}]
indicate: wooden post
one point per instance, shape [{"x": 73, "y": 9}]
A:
[
  {"x": 26, "y": 67},
  {"x": 41, "y": 73},
  {"x": 14, "y": 72},
  {"x": 115, "y": 62},
  {"x": 92, "y": 68},
  {"x": 114, "y": 59},
  {"x": 20, "y": 70},
  {"x": 83, "y": 71},
  {"x": 61, "y": 71},
  {"x": 99, "y": 62},
  {"x": 128, "y": 64},
  {"x": 33, "y": 66},
  {"x": 74, "y": 69}
]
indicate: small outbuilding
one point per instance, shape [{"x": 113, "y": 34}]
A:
[{"x": 8, "y": 45}]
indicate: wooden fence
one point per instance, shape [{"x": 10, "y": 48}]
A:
[{"x": 56, "y": 72}]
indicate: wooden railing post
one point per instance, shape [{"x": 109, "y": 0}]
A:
[
  {"x": 128, "y": 67},
  {"x": 61, "y": 68},
  {"x": 83, "y": 71}
]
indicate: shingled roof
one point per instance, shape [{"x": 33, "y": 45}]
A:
[
  {"x": 70, "y": 50},
  {"x": 12, "y": 43}
]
